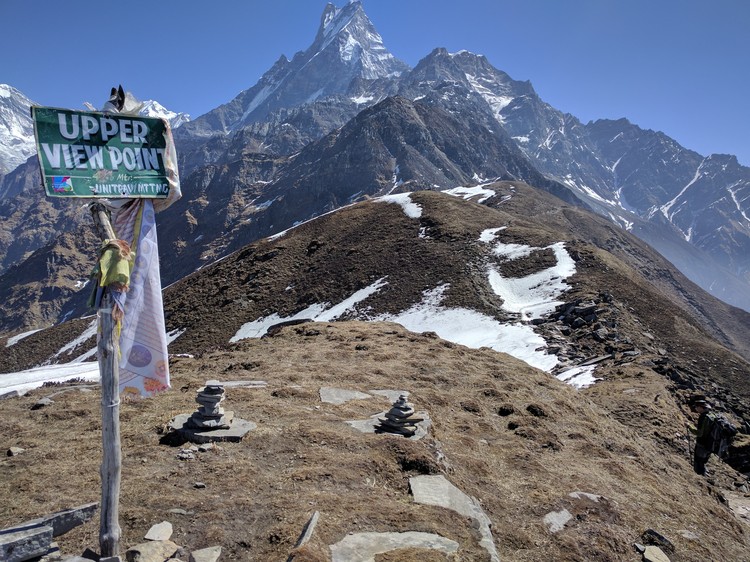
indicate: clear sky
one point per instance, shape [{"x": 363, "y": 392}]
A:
[{"x": 677, "y": 66}]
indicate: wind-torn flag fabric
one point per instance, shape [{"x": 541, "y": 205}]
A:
[{"x": 143, "y": 361}]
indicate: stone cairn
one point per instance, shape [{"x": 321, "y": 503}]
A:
[
  {"x": 400, "y": 419},
  {"x": 210, "y": 414}
]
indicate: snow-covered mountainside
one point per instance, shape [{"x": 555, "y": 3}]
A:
[{"x": 16, "y": 129}]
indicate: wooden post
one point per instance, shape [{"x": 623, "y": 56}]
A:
[{"x": 108, "y": 352}]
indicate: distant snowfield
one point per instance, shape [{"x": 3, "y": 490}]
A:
[{"x": 529, "y": 297}]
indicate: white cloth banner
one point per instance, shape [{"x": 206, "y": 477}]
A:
[{"x": 144, "y": 364}]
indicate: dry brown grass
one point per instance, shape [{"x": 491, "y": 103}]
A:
[{"x": 503, "y": 432}]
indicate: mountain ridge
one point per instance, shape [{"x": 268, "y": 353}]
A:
[{"x": 251, "y": 167}]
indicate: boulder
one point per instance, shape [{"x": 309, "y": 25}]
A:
[
  {"x": 654, "y": 554},
  {"x": 210, "y": 554},
  {"x": 159, "y": 532},
  {"x": 153, "y": 551}
]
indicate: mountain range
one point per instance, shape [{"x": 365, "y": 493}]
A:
[
  {"x": 344, "y": 120},
  {"x": 556, "y": 373},
  {"x": 351, "y": 225}
]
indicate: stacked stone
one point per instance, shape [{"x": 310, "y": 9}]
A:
[
  {"x": 400, "y": 419},
  {"x": 210, "y": 414}
]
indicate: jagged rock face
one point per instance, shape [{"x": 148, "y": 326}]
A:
[
  {"x": 346, "y": 55},
  {"x": 28, "y": 219},
  {"x": 51, "y": 285},
  {"x": 555, "y": 142},
  {"x": 706, "y": 199},
  {"x": 397, "y": 145},
  {"x": 16, "y": 129}
]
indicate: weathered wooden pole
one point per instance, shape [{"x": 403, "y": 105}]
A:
[{"x": 111, "y": 468}]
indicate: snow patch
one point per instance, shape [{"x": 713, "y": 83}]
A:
[
  {"x": 490, "y": 234},
  {"x": 497, "y": 102},
  {"x": 174, "y": 334},
  {"x": 411, "y": 209},
  {"x": 315, "y": 312},
  {"x": 24, "y": 381},
  {"x": 667, "y": 207},
  {"x": 580, "y": 377},
  {"x": 469, "y": 192},
  {"x": 473, "y": 329},
  {"x": 359, "y": 100},
  {"x": 18, "y": 337},
  {"x": 535, "y": 295},
  {"x": 87, "y": 333}
]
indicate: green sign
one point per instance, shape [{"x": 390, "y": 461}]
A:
[{"x": 88, "y": 154}]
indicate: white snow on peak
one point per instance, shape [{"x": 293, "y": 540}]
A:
[
  {"x": 488, "y": 89},
  {"x": 259, "y": 98},
  {"x": 738, "y": 202},
  {"x": 357, "y": 40},
  {"x": 359, "y": 100},
  {"x": 411, "y": 209},
  {"x": 667, "y": 207},
  {"x": 152, "y": 108},
  {"x": 16, "y": 128}
]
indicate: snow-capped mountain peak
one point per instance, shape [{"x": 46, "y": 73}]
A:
[
  {"x": 356, "y": 40},
  {"x": 152, "y": 108},
  {"x": 347, "y": 52},
  {"x": 16, "y": 128}
]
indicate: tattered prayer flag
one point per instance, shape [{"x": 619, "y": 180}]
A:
[{"x": 144, "y": 365}]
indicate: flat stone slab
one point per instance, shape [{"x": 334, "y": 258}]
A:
[
  {"x": 338, "y": 396},
  {"x": 234, "y": 434},
  {"x": 362, "y": 547},
  {"x": 437, "y": 490},
  {"x": 368, "y": 425},
  {"x": 60, "y": 521},
  {"x": 556, "y": 520},
  {"x": 17, "y": 546},
  {"x": 245, "y": 384},
  {"x": 654, "y": 554}
]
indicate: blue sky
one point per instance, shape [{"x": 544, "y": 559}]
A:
[{"x": 677, "y": 66}]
